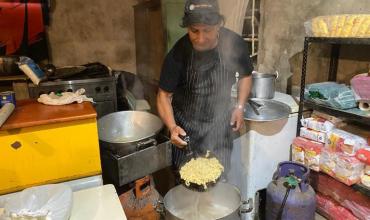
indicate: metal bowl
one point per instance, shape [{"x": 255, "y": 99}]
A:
[
  {"x": 265, "y": 110},
  {"x": 128, "y": 127}
]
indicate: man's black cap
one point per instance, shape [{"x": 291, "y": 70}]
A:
[{"x": 201, "y": 12}]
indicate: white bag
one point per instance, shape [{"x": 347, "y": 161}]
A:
[{"x": 45, "y": 202}]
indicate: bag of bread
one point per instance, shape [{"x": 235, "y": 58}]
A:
[
  {"x": 327, "y": 161},
  {"x": 342, "y": 141},
  {"x": 298, "y": 150},
  {"x": 348, "y": 169}
]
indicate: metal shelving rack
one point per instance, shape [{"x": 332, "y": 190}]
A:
[{"x": 332, "y": 76}]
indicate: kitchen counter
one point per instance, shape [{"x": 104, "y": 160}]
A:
[
  {"x": 32, "y": 113},
  {"x": 95, "y": 203},
  {"x": 98, "y": 203}
]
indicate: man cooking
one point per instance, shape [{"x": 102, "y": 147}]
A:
[{"x": 195, "y": 87}]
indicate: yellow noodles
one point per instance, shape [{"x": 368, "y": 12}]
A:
[{"x": 201, "y": 171}]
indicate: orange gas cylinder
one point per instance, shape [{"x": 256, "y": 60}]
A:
[{"x": 139, "y": 202}]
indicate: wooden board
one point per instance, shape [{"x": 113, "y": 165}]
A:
[{"x": 32, "y": 113}]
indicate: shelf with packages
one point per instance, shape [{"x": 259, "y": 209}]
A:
[
  {"x": 359, "y": 187},
  {"x": 353, "y": 116}
]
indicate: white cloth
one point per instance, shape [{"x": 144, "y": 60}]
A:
[{"x": 64, "y": 98}]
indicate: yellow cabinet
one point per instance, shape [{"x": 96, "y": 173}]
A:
[{"x": 54, "y": 150}]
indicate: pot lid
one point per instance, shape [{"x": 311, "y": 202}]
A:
[{"x": 265, "y": 110}]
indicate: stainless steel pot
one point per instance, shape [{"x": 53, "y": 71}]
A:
[
  {"x": 128, "y": 131},
  {"x": 263, "y": 86},
  {"x": 220, "y": 202}
]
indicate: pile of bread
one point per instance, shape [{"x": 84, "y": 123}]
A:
[{"x": 347, "y": 25}]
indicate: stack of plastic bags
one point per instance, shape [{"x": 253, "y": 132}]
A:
[{"x": 47, "y": 202}]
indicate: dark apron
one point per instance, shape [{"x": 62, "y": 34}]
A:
[{"x": 202, "y": 107}]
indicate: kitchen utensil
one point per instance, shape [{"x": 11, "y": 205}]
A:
[
  {"x": 269, "y": 110},
  {"x": 189, "y": 153},
  {"x": 194, "y": 154},
  {"x": 255, "y": 106},
  {"x": 128, "y": 131},
  {"x": 263, "y": 85}
]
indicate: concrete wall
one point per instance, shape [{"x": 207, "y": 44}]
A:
[
  {"x": 282, "y": 36},
  {"x": 90, "y": 31}
]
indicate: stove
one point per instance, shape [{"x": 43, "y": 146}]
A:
[
  {"x": 96, "y": 81},
  {"x": 120, "y": 167}
]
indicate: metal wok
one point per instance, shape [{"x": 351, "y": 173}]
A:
[{"x": 128, "y": 131}]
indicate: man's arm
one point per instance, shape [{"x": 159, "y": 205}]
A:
[
  {"x": 245, "y": 85},
  {"x": 165, "y": 111},
  {"x": 237, "y": 117}
]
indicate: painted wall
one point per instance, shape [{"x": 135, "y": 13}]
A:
[
  {"x": 90, "y": 31},
  {"x": 282, "y": 36}
]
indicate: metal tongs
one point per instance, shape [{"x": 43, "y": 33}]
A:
[
  {"x": 189, "y": 153},
  {"x": 255, "y": 106}
]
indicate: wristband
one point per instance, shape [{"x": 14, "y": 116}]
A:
[{"x": 240, "y": 107}]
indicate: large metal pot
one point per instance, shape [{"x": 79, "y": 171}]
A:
[
  {"x": 220, "y": 202},
  {"x": 128, "y": 131},
  {"x": 263, "y": 86}
]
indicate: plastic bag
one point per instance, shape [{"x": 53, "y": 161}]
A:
[
  {"x": 331, "y": 94},
  {"x": 307, "y": 152},
  {"x": 348, "y": 170},
  {"x": 52, "y": 202},
  {"x": 332, "y": 209},
  {"x": 342, "y": 141},
  {"x": 317, "y": 124},
  {"x": 357, "y": 203},
  {"x": 361, "y": 87}
]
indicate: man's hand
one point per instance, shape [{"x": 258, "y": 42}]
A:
[
  {"x": 176, "y": 131},
  {"x": 237, "y": 119}
]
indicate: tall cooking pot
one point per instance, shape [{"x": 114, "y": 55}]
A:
[
  {"x": 220, "y": 202},
  {"x": 263, "y": 86},
  {"x": 128, "y": 131}
]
